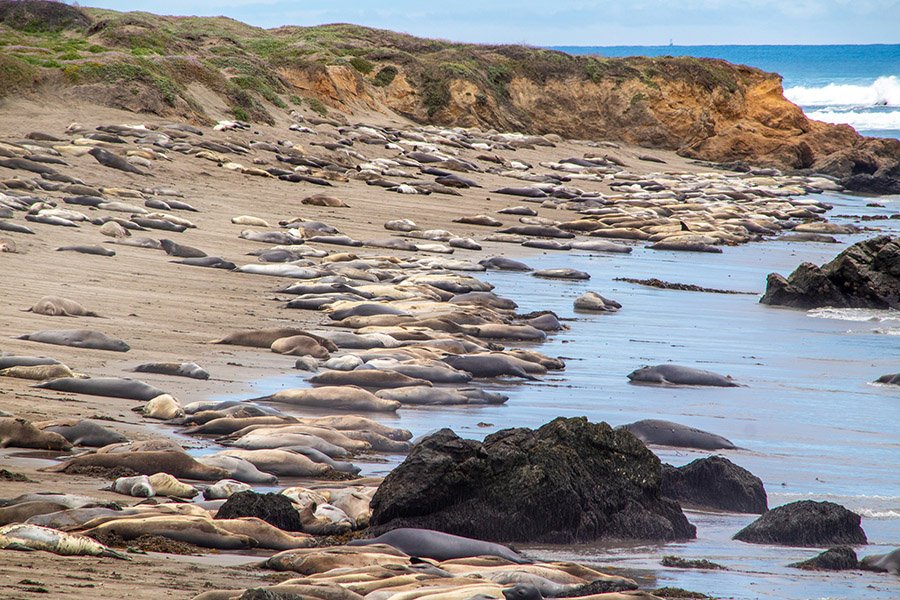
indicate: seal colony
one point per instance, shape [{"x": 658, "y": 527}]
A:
[{"x": 372, "y": 315}]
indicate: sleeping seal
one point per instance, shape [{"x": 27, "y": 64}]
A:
[
  {"x": 77, "y": 338},
  {"x": 667, "y": 433},
  {"x": 111, "y": 387},
  {"x": 192, "y": 370},
  {"x": 669, "y": 374},
  {"x": 440, "y": 546}
]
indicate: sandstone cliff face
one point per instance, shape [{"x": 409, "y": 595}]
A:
[
  {"x": 702, "y": 108},
  {"x": 747, "y": 119}
]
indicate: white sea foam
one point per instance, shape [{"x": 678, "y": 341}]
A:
[
  {"x": 877, "y": 514},
  {"x": 884, "y": 91},
  {"x": 855, "y": 314},
  {"x": 864, "y": 120}
]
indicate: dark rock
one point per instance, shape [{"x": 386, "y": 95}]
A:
[
  {"x": 872, "y": 184},
  {"x": 839, "y": 558},
  {"x": 676, "y": 593},
  {"x": 600, "y": 586},
  {"x": 569, "y": 481},
  {"x": 805, "y": 523},
  {"x": 264, "y": 594},
  {"x": 865, "y": 275},
  {"x": 715, "y": 483},
  {"x": 274, "y": 509},
  {"x": 891, "y": 378},
  {"x": 678, "y": 562}
]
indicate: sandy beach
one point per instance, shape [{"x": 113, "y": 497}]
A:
[{"x": 169, "y": 312}]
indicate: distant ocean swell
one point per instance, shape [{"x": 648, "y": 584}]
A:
[{"x": 875, "y": 106}]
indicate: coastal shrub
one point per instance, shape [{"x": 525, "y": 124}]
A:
[
  {"x": 385, "y": 76},
  {"x": 316, "y": 106},
  {"x": 362, "y": 65},
  {"x": 240, "y": 114},
  {"x": 435, "y": 91},
  {"x": 121, "y": 72},
  {"x": 15, "y": 74},
  {"x": 39, "y": 16},
  {"x": 295, "y": 99},
  {"x": 499, "y": 76}
]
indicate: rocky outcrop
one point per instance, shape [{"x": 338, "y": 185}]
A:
[
  {"x": 568, "y": 481},
  {"x": 839, "y": 558},
  {"x": 274, "y": 509},
  {"x": 715, "y": 483},
  {"x": 805, "y": 523},
  {"x": 865, "y": 275}
]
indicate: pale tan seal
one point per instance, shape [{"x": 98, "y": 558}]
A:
[{"x": 54, "y": 306}]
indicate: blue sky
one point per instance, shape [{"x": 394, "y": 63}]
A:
[{"x": 567, "y": 22}]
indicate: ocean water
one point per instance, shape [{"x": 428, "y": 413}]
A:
[
  {"x": 855, "y": 85},
  {"x": 809, "y": 421}
]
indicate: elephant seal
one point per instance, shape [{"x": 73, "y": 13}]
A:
[
  {"x": 436, "y": 372},
  {"x": 7, "y": 361},
  {"x": 177, "y": 464},
  {"x": 112, "y": 387},
  {"x": 314, "y": 455},
  {"x": 271, "y": 440},
  {"x": 889, "y": 562},
  {"x": 574, "y": 274},
  {"x": 484, "y": 220},
  {"x": 499, "y": 331},
  {"x": 81, "y": 432},
  {"x": 77, "y": 338},
  {"x": 211, "y": 262},
  {"x": 192, "y": 370},
  {"x": 594, "y": 302},
  {"x": 95, "y": 250},
  {"x": 55, "y": 306},
  {"x": 501, "y": 263},
  {"x": 138, "y": 486},
  {"x": 238, "y": 468},
  {"x": 300, "y": 345},
  {"x": 345, "y": 397},
  {"x": 21, "y": 536},
  {"x": 179, "y": 250},
  {"x": 166, "y": 485},
  {"x": 685, "y": 246},
  {"x": 265, "y": 535},
  {"x": 367, "y": 378},
  {"x": 667, "y": 433},
  {"x": 224, "y": 489},
  {"x": 228, "y": 425},
  {"x": 487, "y": 365},
  {"x": 249, "y": 220},
  {"x": 263, "y": 338},
  {"x": 367, "y": 309},
  {"x": 670, "y": 374},
  {"x": 425, "y": 396},
  {"x": 437, "y": 545},
  {"x": 38, "y": 372},
  {"x": 601, "y": 246},
  {"x": 324, "y": 200},
  {"x": 164, "y": 407},
  {"x": 113, "y": 161},
  {"x": 20, "y": 433},
  {"x": 282, "y": 463},
  {"x": 198, "y": 531}
]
